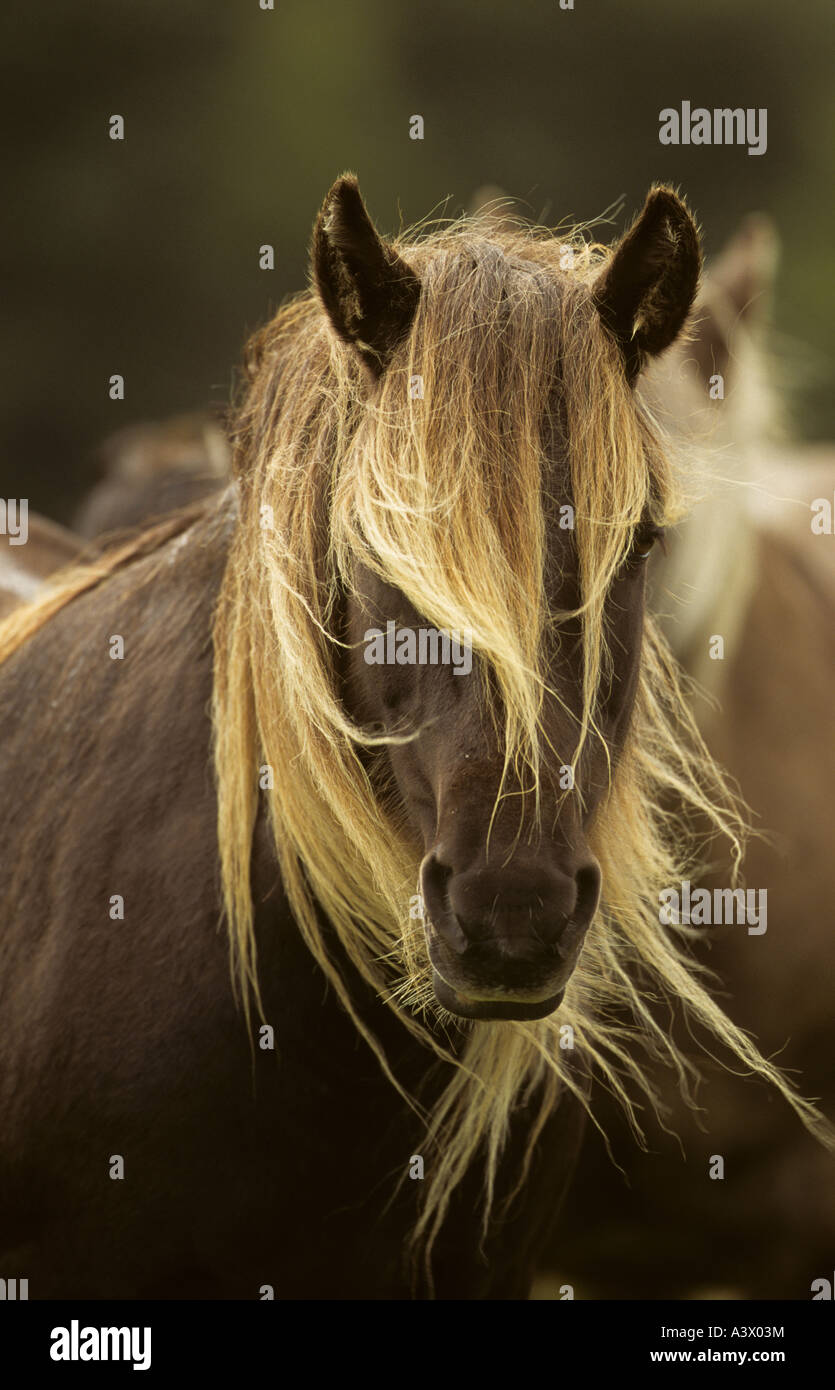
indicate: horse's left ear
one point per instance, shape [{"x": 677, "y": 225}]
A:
[
  {"x": 369, "y": 292},
  {"x": 645, "y": 293}
]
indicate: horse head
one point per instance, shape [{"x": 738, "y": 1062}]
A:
[{"x": 458, "y": 516}]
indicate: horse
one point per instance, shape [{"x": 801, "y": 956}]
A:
[
  {"x": 746, "y": 567},
  {"x": 152, "y": 469},
  {"x": 307, "y": 958},
  {"x": 26, "y": 562}
]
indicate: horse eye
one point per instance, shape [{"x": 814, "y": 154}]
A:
[{"x": 644, "y": 540}]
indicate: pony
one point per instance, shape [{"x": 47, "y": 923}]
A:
[
  {"x": 150, "y": 470},
  {"x": 744, "y": 566},
  {"x": 439, "y": 891}
]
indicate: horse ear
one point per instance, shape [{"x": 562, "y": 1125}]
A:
[
  {"x": 746, "y": 269},
  {"x": 737, "y": 290},
  {"x": 369, "y": 293},
  {"x": 645, "y": 293}
]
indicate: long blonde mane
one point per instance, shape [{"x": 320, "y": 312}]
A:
[{"x": 442, "y": 494}]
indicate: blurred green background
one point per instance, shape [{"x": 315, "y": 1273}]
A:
[{"x": 141, "y": 257}]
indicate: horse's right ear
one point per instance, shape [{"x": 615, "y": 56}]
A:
[
  {"x": 369, "y": 292},
  {"x": 646, "y": 290}
]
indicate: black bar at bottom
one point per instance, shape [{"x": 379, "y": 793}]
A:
[{"x": 244, "y": 1340}]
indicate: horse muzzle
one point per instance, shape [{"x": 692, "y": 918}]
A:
[{"x": 503, "y": 944}]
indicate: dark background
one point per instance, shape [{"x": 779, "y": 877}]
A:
[{"x": 141, "y": 257}]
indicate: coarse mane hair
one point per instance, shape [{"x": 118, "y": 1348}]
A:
[{"x": 443, "y": 494}]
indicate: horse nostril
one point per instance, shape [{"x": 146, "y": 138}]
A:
[
  {"x": 588, "y": 882},
  {"x": 434, "y": 881},
  {"x": 434, "y": 877}
]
